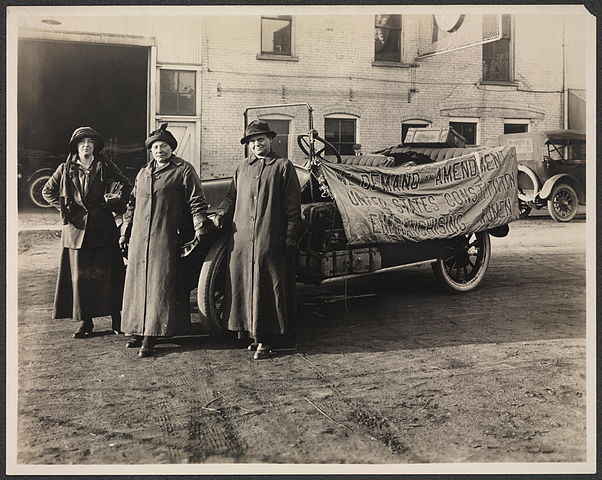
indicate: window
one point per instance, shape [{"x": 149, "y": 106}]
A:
[
  {"x": 276, "y": 35},
  {"x": 468, "y": 128},
  {"x": 405, "y": 126},
  {"x": 177, "y": 92},
  {"x": 387, "y": 38},
  {"x": 280, "y": 141},
  {"x": 516, "y": 126},
  {"x": 497, "y": 55},
  {"x": 341, "y": 133}
]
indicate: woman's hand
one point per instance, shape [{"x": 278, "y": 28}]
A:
[
  {"x": 218, "y": 220},
  {"x": 123, "y": 242}
]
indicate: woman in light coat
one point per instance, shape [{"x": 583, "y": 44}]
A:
[{"x": 86, "y": 189}]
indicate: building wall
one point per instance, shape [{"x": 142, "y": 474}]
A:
[{"x": 334, "y": 72}]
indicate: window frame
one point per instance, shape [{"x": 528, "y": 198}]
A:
[
  {"x": 344, "y": 116},
  {"x": 396, "y": 63},
  {"x": 272, "y": 55},
  {"x": 197, "y": 100},
  {"x": 475, "y": 120},
  {"x": 517, "y": 121},
  {"x": 423, "y": 123},
  {"x": 511, "y": 67}
]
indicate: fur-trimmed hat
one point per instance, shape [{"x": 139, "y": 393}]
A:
[
  {"x": 163, "y": 135},
  {"x": 257, "y": 127},
  {"x": 86, "y": 132}
]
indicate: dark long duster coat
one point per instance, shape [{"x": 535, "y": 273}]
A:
[
  {"x": 264, "y": 203},
  {"x": 91, "y": 270},
  {"x": 166, "y": 206}
]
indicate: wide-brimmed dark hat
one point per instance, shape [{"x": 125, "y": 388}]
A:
[
  {"x": 86, "y": 132},
  {"x": 163, "y": 135},
  {"x": 257, "y": 127}
]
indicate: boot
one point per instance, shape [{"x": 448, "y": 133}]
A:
[
  {"x": 85, "y": 329},
  {"x": 148, "y": 346}
]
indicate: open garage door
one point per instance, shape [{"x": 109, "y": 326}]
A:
[{"x": 65, "y": 85}]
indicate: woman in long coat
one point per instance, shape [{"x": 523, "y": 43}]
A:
[
  {"x": 87, "y": 189},
  {"x": 264, "y": 204},
  {"x": 167, "y": 209}
]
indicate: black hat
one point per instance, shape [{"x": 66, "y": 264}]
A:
[
  {"x": 163, "y": 135},
  {"x": 85, "y": 132},
  {"x": 257, "y": 127}
]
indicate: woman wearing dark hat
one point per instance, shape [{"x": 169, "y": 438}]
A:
[
  {"x": 264, "y": 205},
  {"x": 86, "y": 190},
  {"x": 167, "y": 209}
]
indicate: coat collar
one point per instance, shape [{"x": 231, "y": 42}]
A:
[
  {"x": 150, "y": 167},
  {"x": 269, "y": 158}
]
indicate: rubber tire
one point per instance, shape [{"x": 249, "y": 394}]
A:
[
  {"x": 207, "y": 282},
  {"x": 455, "y": 287},
  {"x": 33, "y": 185},
  {"x": 574, "y": 199}
]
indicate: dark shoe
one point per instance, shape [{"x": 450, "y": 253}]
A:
[
  {"x": 252, "y": 347},
  {"x": 146, "y": 351},
  {"x": 84, "y": 330},
  {"x": 262, "y": 354},
  {"x": 135, "y": 342}
]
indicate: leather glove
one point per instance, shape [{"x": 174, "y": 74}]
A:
[{"x": 218, "y": 220}]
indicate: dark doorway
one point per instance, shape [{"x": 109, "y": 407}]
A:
[
  {"x": 280, "y": 142},
  {"x": 65, "y": 85}
]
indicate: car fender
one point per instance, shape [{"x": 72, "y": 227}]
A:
[
  {"x": 533, "y": 177},
  {"x": 551, "y": 182}
]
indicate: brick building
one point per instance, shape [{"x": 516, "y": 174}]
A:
[{"x": 364, "y": 75}]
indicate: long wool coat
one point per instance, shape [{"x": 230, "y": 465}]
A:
[
  {"x": 91, "y": 271},
  {"x": 264, "y": 203},
  {"x": 166, "y": 205}
]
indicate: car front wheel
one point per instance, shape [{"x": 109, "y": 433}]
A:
[
  {"x": 211, "y": 290},
  {"x": 562, "y": 203},
  {"x": 464, "y": 263}
]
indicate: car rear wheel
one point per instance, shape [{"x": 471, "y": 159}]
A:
[
  {"x": 465, "y": 262},
  {"x": 562, "y": 203},
  {"x": 36, "y": 185},
  {"x": 211, "y": 289}
]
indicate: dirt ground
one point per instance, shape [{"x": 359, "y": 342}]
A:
[{"x": 399, "y": 373}]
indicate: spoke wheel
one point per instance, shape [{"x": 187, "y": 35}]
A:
[
  {"x": 464, "y": 263},
  {"x": 35, "y": 191},
  {"x": 563, "y": 203},
  {"x": 211, "y": 289},
  {"x": 304, "y": 144}
]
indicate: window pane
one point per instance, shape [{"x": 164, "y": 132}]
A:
[
  {"x": 331, "y": 130},
  {"x": 186, "y": 82},
  {"x": 276, "y": 36},
  {"x": 347, "y": 128},
  {"x": 496, "y": 60},
  {"x": 467, "y": 129},
  {"x": 169, "y": 81},
  {"x": 516, "y": 127},
  {"x": 186, "y": 105},
  {"x": 168, "y": 103}
]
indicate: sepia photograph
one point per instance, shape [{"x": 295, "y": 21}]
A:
[{"x": 292, "y": 239}]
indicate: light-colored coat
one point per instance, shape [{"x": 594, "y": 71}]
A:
[
  {"x": 167, "y": 205},
  {"x": 264, "y": 203}
]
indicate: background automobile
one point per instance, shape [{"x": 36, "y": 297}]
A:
[{"x": 551, "y": 171}]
